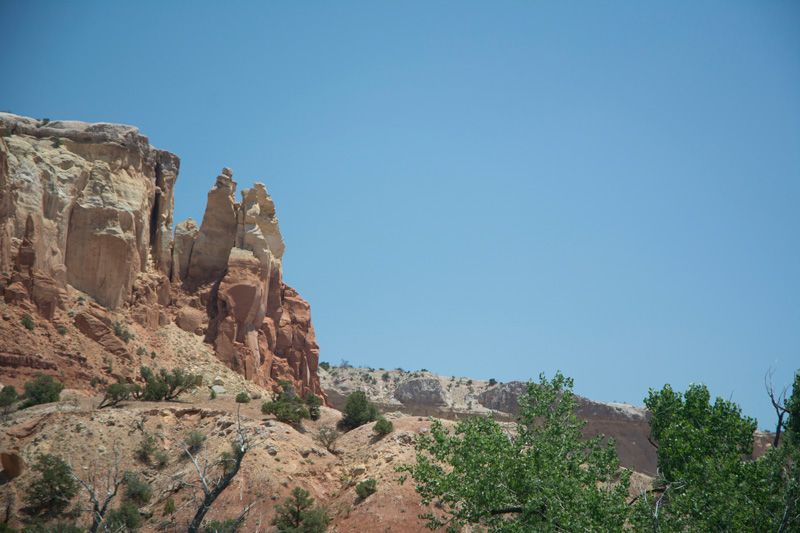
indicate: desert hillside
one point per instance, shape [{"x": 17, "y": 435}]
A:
[{"x": 96, "y": 283}]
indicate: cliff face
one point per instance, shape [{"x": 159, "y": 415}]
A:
[{"x": 89, "y": 207}]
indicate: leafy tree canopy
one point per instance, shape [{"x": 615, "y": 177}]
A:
[
  {"x": 543, "y": 476},
  {"x": 707, "y": 482}
]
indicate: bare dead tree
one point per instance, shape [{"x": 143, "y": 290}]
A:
[
  {"x": 95, "y": 483},
  {"x": 778, "y": 402},
  {"x": 215, "y": 476}
]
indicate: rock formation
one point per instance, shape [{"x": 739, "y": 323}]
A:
[
  {"x": 260, "y": 327},
  {"x": 424, "y": 391},
  {"x": 88, "y": 207}
]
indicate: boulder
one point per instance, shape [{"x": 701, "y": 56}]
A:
[
  {"x": 422, "y": 391},
  {"x": 190, "y": 320}
]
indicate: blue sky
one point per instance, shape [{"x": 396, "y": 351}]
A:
[{"x": 482, "y": 189}]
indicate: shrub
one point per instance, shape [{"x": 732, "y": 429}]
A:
[
  {"x": 8, "y": 397},
  {"x": 327, "y": 436},
  {"x": 169, "y": 506},
  {"x": 492, "y": 382},
  {"x": 231, "y": 525},
  {"x": 140, "y": 351},
  {"x": 297, "y": 516},
  {"x": 57, "y": 141},
  {"x": 126, "y": 517},
  {"x": 165, "y": 385},
  {"x": 62, "y": 331},
  {"x": 325, "y": 365},
  {"x": 54, "y": 487},
  {"x": 358, "y": 410},
  {"x": 122, "y": 332},
  {"x": 383, "y": 427},
  {"x": 115, "y": 393},
  {"x": 213, "y": 395},
  {"x": 242, "y": 397},
  {"x": 137, "y": 489},
  {"x": 194, "y": 441},
  {"x": 313, "y": 404},
  {"x": 385, "y": 376},
  {"x": 147, "y": 447},
  {"x": 162, "y": 458},
  {"x": 365, "y": 488},
  {"x": 27, "y": 321},
  {"x": 287, "y": 406},
  {"x": 42, "y": 389}
]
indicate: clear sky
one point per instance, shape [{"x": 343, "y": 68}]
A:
[{"x": 481, "y": 189}]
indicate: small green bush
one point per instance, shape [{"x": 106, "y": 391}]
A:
[
  {"x": 169, "y": 506},
  {"x": 365, "y": 488},
  {"x": 145, "y": 449},
  {"x": 140, "y": 351},
  {"x": 213, "y": 395},
  {"x": 325, "y": 366},
  {"x": 61, "y": 331},
  {"x": 137, "y": 490},
  {"x": 383, "y": 427},
  {"x": 313, "y": 404},
  {"x": 492, "y": 382},
  {"x": 385, "y": 376},
  {"x": 57, "y": 141},
  {"x": 27, "y": 321},
  {"x": 42, "y": 389},
  {"x": 122, "y": 332},
  {"x": 194, "y": 441},
  {"x": 231, "y": 525},
  {"x": 126, "y": 517},
  {"x": 288, "y": 407},
  {"x": 327, "y": 436},
  {"x": 162, "y": 459},
  {"x": 242, "y": 397}
]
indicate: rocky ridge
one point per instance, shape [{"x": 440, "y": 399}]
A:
[{"x": 86, "y": 243}]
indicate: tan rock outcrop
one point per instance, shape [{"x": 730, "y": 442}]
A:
[
  {"x": 77, "y": 201},
  {"x": 185, "y": 235},
  {"x": 217, "y": 234},
  {"x": 259, "y": 327}
]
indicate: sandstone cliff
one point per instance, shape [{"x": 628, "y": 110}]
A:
[{"x": 86, "y": 212}]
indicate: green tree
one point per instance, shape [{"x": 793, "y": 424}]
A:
[
  {"x": 164, "y": 385},
  {"x": 358, "y": 410},
  {"x": 287, "y": 406},
  {"x": 705, "y": 482},
  {"x": 53, "y": 488},
  {"x": 115, "y": 394},
  {"x": 8, "y": 397},
  {"x": 544, "y": 476},
  {"x": 297, "y": 516},
  {"x": 41, "y": 389}
]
